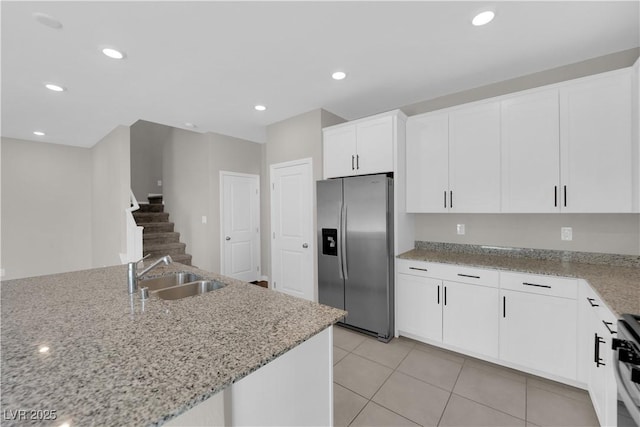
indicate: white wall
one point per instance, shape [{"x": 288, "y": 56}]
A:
[
  {"x": 46, "y": 208},
  {"x": 110, "y": 196},
  {"x": 292, "y": 139},
  {"x": 147, "y": 142},
  {"x": 191, "y": 186},
  {"x": 591, "y": 232}
]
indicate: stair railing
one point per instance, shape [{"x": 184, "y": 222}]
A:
[{"x": 134, "y": 233}]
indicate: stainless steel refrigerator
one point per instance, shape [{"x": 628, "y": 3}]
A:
[{"x": 355, "y": 251}]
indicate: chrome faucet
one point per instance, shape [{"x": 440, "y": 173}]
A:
[{"x": 132, "y": 273}]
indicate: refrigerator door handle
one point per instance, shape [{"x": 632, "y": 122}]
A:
[
  {"x": 339, "y": 243},
  {"x": 343, "y": 242}
]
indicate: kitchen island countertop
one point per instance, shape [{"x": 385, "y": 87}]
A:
[
  {"x": 619, "y": 287},
  {"x": 115, "y": 360}
]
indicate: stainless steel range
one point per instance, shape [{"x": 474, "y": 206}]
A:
[{"x": 627, "y": 369}]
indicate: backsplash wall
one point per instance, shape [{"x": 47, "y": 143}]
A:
[{"x": 607, "y": 233}]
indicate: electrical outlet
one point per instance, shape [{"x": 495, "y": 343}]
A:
[
  {"x": 566, "y": 233},
  {"x": 159, "y": 183},
  {"x": 1, "y": 272},
  {"x": 460, "y": 228},
  {"x": 204, "y": 219}
]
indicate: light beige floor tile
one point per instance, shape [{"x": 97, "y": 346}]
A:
[
  {"x": 347, "y": 339},
  {"x": 464, "y": 412},
  {"x": 546, "y": 408},
  {"x": 431, "y": 368},
  {"x": 445, "y": 354},
  {"x": 389, "y": 354},
  {"x": 558, "y": 388},
  {"x": 493, "y": 390},
  {"x": 496, "y": 369},
  {"x": 413, "y": 399},
  {"x": 360, "y": 375},
  {"x": 338, "y": 354},
  {"x": 346, "y": 405},
  {"x": 375, "y": 415}
]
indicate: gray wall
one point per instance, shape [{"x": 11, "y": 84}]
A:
[
  {"x": 191, "y": 186},
  {"x": 46, "y": 208},
  {"x": 110, "y": 196},
  {"x": 295, "y": 138},
  {"x": 619, "y": 233},
  {"x": 147, "y": 142}
]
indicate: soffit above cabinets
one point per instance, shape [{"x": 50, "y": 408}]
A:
[{"x": 209, "y": 63}]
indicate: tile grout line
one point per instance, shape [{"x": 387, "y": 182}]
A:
[{"x": 451, "y": 392}]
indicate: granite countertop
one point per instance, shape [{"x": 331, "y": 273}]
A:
[
  {"x": 619, "y": 286},
  {"x": 115, "y": 360}
]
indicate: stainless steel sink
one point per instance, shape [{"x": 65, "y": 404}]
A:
[
  {"x": 168, "y": 281},
  {"x": 190, "y": 289}
]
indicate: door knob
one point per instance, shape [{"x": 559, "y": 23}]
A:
[
  {"x": 227, "y": 238},
  {"x": 304, "y": 245}
]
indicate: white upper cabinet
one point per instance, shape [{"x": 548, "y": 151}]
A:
[
  {"x": 474, "y": 159},
  {"x": 531, "y": 153},
  {"x": 596, "y": 146},
  {"x": 361, "y": 147},
  {"x": 569, "y": 147},
  {"x": 428, "y": 163},
  {"x": 339, "y": 149}
]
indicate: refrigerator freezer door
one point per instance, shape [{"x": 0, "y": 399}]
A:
[
  {"x": 330, "y": 275},
  {"x": 367, "y": 257}
]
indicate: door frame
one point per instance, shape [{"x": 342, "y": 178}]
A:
[
  {"x": 310, "y": 187},
  {"x": 221, "y": 225}
]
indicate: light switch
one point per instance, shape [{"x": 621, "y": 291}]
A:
[
  {"x": 204, "y": 219},
  {"x": 566, "y": 233},
  {"x": 159, "y": 183},
  {"x": 460, "y": 228},
  {"x": 1, "y": 272}
]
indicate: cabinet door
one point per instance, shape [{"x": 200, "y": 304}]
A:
[
  {"x": 374, "y": 152},
  {"x": 474, "y": 159},
  {"x": 470, "y": 317},
  {"x": 531, "y": 153},
  {"x": 418, "y": 306},
  {"x": 339, "y": 151},
  {"x": 596, "y": 145},
  {"x": 428, "y": 163},
  {"x": 539, "y": 332}
]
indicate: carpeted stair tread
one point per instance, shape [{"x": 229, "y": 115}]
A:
[
  {"x": 146, "y": 217},
  {"x": 156, "y": 227},
  {"x": 164, "y": 249},
  {"x": 150, "y": 207},
  {"x": 181, "y": 258},
  {"x": 161, "y": 237}
]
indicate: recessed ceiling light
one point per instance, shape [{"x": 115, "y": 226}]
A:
[
  {"x": 190, "y": 125},
  {"x": 39, "y": 133},
  {"x": 483, "y": 18},
  {"x": 339, "y": 75},
  {"x": 54, "y": 87},
  {"x": 47, "y": 20},
  {"x": 112, "y": 53},
  {"x": 260, "y": 107}
]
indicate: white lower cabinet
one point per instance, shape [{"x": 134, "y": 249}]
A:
[
  {"x": 539, "y": 331},
  {"x": 421, "y": 313},
  {"x": 470, "y": 318}
]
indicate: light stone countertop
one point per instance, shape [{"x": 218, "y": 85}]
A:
[
  {"x": 114, "y": 361},
  {"x": 619, "y": 287}
]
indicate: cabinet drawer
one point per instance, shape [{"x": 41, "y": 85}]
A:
[
  {"x": 477, "y": 276},
  {"x": 419, "y": 268},
  {"x": 543, "y": 285}
]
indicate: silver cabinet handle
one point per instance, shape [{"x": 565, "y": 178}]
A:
[
  {"x": 305, "y": 245},
  {"x": 227, "y": 238}
]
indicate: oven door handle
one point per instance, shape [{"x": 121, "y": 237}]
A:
[{"x": 624, "y": 392}]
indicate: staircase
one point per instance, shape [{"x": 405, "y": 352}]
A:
[{"x": 158, "y": 237}]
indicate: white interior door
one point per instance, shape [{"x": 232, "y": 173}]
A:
[
  {"x": 292, "y": 248},
  {"x": 240, "y": 225}
]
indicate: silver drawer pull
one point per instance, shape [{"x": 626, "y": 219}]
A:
[
  {"x": 416, "y": 268},
  {"x": 468, "y": 275},
  {"x": 536, "y": 285}
]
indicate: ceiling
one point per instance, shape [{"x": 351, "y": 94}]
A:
[{"x": 209, "y": 63}]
